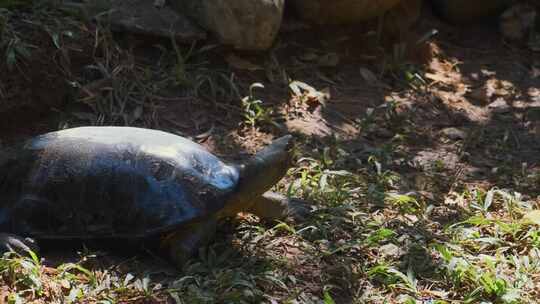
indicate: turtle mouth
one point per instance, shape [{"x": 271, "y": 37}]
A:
[
  {"x": 260, "y": 173},
  {"x": 268, "y": 166},
  {"x": 280, "y": 153},
  {"x": 284, "y": 144},
  {"x": 289, "y": 149}
]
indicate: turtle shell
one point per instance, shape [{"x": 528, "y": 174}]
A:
[{"x": 112, "y": 182}]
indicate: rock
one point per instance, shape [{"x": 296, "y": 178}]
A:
[
  {"x": 499, "y": 106},
  {"x": 444, "y": 214},
  {"x": 390, "y": 250},
  {"x": 309, "y": 127},
  {"x": 433, "y": 160},
  {"x": 244, "y": 24},
  {"x": 454, "y": 133},
  {"x": 517, "y": 23},
  {"x": 341, "y": 11},
  {"x": 400, "y": 19},
  {"x": 467, "y": 11},
  {"x": 141, "y": 17}
]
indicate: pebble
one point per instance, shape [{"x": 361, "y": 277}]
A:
[
  {"x": 499, "y": 106},
  {"x": 454, "y": 133}
]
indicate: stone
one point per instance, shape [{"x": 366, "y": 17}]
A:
[
  {"x": 499, "y": 106},
  {"x": 400, "y": 18},
  {"x": 466, "y": 11},
  {"x": 454, "y": 133},
  {"x": 341, "y": 11},
  {"x": 444, "y": 214},
  {"x": 517, "y": 23},
  {"x": 140, "y": 17},
  {"x": 243, "y": 24},
  {"x": 390, "y": 250}
]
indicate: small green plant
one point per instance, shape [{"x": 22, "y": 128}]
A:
[
  {"x": 254, "y": 111},
  {"x": 404, "y": 203},
  {"x": 379, "y": 236},
  {"x": 181, "y": 64},
  {"x": 14, "y": 48},
  {"x": 400, "y": 68},
  {"x": 439, "y": 166},
  {"x": 393, "y": 278},
  {"x": 22, "y": 271}
]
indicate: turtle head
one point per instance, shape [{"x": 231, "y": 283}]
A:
[
  {"x": 266, "y": 168},
  {"x": 259, "y": 173}
]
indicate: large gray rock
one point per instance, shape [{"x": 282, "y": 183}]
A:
[
  {"x": 145, "y": 17},
  {"x": 403, "y": 16},
  {"x": 469, "y": 11},
  {"x": 341, "y": 11},
  {"x": 518, "y": 23},
  {"x": 244, "y": 24}
]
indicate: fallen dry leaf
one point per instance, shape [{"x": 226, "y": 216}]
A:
[
  {"x": 441, "y": 78},
  {"x": 533, "y": 217}
]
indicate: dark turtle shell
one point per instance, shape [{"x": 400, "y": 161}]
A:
[{"x": 112, "y": 182}]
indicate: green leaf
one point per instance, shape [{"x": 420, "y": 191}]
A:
[
  {"x": 34, "y": 257},
  {"x": 445, "y": 252},
  {"x": 11, "y": 57},
  {"x": 488, "y": 200},
  {"x": 380, "y": 235},
  {"x": 74, "y": 294},
  {"x": 14, "y": 298},
  {"x": 56, "y": 40},
  {"x": 22, "y": 50},
  {"x": 284, "y": 226},
  {"x": 410, "y": 301},
  {"x": 328, "y": 298}
]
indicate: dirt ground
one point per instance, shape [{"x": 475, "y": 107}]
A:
[
  {"x": 476, "y": 108},
  {"x": 461, "y": 109}
]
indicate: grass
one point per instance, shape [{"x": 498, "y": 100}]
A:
[
  {"x": 15, "y": 49},
  {"x": 347, "y": 251},
  {"x": 370, "y": 239}
]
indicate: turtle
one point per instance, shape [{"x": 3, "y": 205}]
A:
[{"x": 133, "y": 184}]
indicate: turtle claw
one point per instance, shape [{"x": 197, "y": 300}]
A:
[
  {"x": 14, "y": 243},
  {"x": 276, "y": 206},
  {"x": 183, "y": 245}
]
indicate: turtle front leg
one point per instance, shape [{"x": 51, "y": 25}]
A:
[
  {"x": 274, "y": 206},
  {"x": 183, "y": 244},
  {"x": 14, "y": 243}
]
